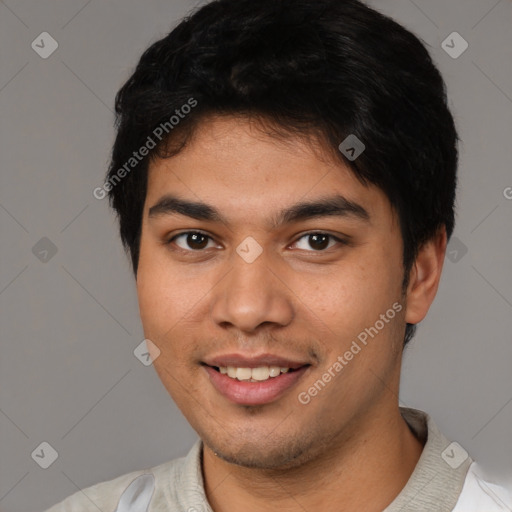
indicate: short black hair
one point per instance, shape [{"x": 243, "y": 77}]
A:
[{"x": 329, "y": 68}]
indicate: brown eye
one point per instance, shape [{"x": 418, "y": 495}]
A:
[
  {"x": 318, "y": 241},
  {"x": 193, "y": 240}
]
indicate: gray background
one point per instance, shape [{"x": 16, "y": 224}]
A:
[{"x": 69, "y": 323}]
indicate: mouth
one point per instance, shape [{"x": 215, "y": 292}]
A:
[
  {"x": 258, "y": 374},
  {"x": 251, "y": 382}
]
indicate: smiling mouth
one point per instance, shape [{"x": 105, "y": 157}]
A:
[
  {"x": 258, "y": 374},
  {"x": 254, "y": 383}
]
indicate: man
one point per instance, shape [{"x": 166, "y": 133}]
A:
[{"x": 284, "y": 174}]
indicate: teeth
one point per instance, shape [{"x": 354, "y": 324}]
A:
[
  {"x": 261, "y": 373},
  {"x": 258, "y": 374},
  {"x": 243, "y": 373},
  {"x": 274, "y": 371}
]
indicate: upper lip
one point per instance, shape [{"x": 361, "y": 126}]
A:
[{"x": 246, "y": 361}]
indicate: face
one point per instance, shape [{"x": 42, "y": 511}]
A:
[{"x": 238, "y": 269}]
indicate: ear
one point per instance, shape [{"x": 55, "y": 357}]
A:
[{"x": 424, "y": 277}]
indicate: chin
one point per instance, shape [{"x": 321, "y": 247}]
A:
[{"x": 270, "y": 454}]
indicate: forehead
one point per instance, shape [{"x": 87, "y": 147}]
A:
[{"x": 240, "y": 166}]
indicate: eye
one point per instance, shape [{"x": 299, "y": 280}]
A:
[
  {"x": 319, "y": 241},
  {"x": 195, "y": 240}
]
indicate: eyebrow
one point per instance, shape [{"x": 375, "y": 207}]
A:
[{"x": 335, "y": 205}]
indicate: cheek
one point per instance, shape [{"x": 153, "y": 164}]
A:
[
  {"x": 354, "y": 285},
  {"x": 352, "y": 297},
  {"x": 155, "y": 295},
  {"x": 160, "y": 290},
  {"x": 377, "y": 273},
  {"x": 171, "y": 299}
]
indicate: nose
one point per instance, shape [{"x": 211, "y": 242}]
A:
[{"x": 252, "y": 294}]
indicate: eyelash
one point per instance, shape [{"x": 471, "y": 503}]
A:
[{"x": 179, "y": 249}]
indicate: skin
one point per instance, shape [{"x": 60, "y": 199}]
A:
[{"x": 294, "y": 300}]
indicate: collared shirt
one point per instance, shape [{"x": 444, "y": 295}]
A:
[{"x": 445, "y": 479}]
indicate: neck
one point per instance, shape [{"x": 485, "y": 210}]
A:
[{"x": 377, "y": 452}]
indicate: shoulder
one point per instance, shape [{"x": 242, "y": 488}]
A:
[
  {"x": 106, "y": 495},
  {"x": 481, "y": 494}
]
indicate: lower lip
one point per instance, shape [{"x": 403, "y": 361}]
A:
[{"x": 254, "y": 393}]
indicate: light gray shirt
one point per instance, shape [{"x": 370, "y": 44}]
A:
[{"x": 445, "y": 479}]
